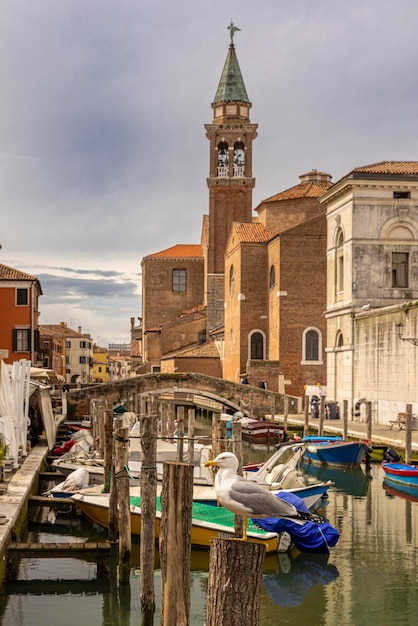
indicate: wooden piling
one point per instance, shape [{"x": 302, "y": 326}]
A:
[
  {"x": 121, "y": 436},
  {"x": 408, "y": 433},
  {"x": 237, "y": 450},
  {"x": 285, "y": 411},
  {"x": 306, "y": 422},
  {"x": 148, "y": 509},
  {"x": 180, "y": 434},
  {"x": 369, "y": 422},
  {"x": 235, "y": 573},
  {"x": 321, "y": 416},
  {"x": 175, "y": 543},
  {"x": 190, "y": 435},
  {"x": 108, "y": 446}
]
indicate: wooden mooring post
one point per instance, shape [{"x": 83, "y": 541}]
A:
[
  {"x": 175, "y": 543},
  {"x": 149, "y": 428},
  {"x": 121, "y": 436},
  {"x": 237, "y": 450},
  {"x": 408, "y": 433},
  {"x": 235, "y": 573}
]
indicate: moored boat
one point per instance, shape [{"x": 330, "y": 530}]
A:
[
  {"x": 402, "y": 475},
  {"x": 259, "y": 431},
  {"x": 334, "y": 452},
  {"x": 207, "y": 521}
]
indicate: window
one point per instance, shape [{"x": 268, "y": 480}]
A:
[
  {"x": 312, "y": 344},
  {"x": 83, "y": 344},
  {"x": 22, "y": 297},
  {"x": 272, "y": 277},
  {"x": 398, "y": 195},
  {"x": 21, "y": 340},
  {"x": 179, "y": 280},
  {"x": 46, "y": 345},
  {"x": 223, "y": 160},
  {"x": 231, "y": 280},
  {"x": 257, "y": 346},
  {"x": 68, "y": 344},
  {"x": 100, "y": 369},
  {"x": 239, "y": 159},
  {"x": 201, "y": 337},
  {"x": 340, "y": 261},
  {"x": 400, "y": 269},
  {"x": 83, "y": 359}
]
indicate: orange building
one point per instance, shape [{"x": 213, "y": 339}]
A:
[{"x": 19, "y": 315}]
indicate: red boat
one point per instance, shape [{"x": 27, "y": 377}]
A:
[{"x": 258, "y": 431}]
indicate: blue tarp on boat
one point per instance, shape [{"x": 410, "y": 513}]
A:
[{"x": 307, "y": 537}]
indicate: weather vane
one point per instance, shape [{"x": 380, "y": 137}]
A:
[{"x": 232, "y": 30}]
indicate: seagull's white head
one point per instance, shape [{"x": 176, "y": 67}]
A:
[{"x": 225, "y": 460}]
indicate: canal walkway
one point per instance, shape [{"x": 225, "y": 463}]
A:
[
  {"x": 382, "y": 434},
  {"x": 14, "y": 499}
]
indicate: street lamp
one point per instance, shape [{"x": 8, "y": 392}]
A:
[{"x": 399, "y": 332}]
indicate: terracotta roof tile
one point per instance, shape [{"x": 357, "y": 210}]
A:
[
  {"x": 252, "y": 232},
  {"x": 180, "y": 251},
  {"x": 9, "y": 273},
  {"x": 207, "y": 349},
  {"x": 389, "y": 167},
  {"x": 198, "y": 308},
  {"x": 309, "y": 189},
  {"x": 54, "y": 330}
]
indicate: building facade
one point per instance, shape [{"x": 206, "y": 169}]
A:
[
  {"x": 19, "y": 316},
  {"x": 372, "y": 286}
]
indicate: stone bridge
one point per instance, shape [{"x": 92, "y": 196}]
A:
[{"x": 205, "y": 392}]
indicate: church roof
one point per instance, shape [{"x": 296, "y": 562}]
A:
[
  {"x": 312, "y": 185},
  {"x": 231, "y": 86},
  {"x": 388, "y": 167},
  {"x": 207, "y": 349},
  {"x": 252, "y": 232},
  {"x": 180, "y": 251}
]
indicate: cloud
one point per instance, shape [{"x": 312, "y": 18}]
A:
[{"x": 104, "y": 155}]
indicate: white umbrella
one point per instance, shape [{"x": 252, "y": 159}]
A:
[{"x": 8, "y": 415}]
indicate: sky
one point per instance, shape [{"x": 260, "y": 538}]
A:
[{"x": 103, "y": 153}]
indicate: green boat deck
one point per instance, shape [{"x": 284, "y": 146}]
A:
[{"x": 209, "y": 513}]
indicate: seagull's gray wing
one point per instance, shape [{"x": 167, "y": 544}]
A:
[{"x": 261, "y": 502}]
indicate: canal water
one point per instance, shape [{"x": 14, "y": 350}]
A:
[{"x": 370, "y": 576}]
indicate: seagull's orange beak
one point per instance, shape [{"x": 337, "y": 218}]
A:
[{"x": 210, "y": 463}]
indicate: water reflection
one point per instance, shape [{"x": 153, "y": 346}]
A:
[
  {"x": 296, "y": 577},
  {"x": 353, "y": 482},
  {"x": 370, "y": 575}
]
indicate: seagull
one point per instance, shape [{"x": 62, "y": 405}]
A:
[{"x": 247, "y": 498}]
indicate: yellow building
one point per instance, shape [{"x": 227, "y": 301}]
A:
[{"x": 100, "y": 365}]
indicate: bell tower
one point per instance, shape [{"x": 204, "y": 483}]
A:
[{"x": 230, "y": 180}]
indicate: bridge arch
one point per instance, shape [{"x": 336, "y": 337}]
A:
[{"x": 218, "y": 394}]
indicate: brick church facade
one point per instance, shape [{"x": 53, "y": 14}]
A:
[{"x": 250, "y": 298}]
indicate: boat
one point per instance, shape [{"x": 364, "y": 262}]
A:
[
  {"x": 312, "y": 536},
  {"x": 259, "y": 431},
  {"x": 281, "y": 473},
  {"x": 401, "y": 475},
  {"x": 77, "y": 480},
  {"x": 82, "y": 453},
  {"x": 334, "y": 452},
  {"x": 207, "y": 521}
]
